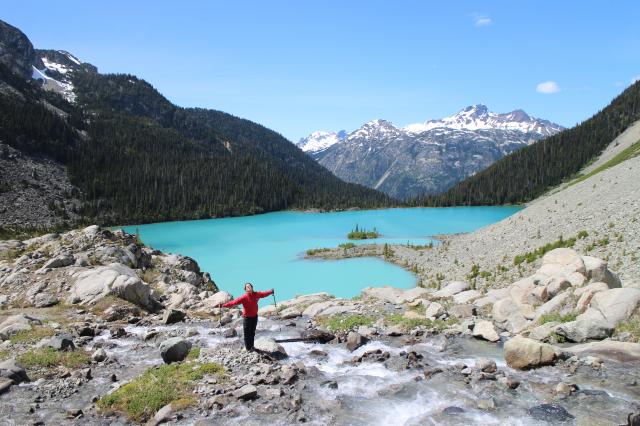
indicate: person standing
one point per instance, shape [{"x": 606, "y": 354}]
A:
[{"x": 249, "y": 302}]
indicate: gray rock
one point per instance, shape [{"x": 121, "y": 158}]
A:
[
  {"x": 44, "y": 300},
  {"x": 59, "y": 261},
  {"x": 452, "y": 289},
  {"x": 5, "y": 384},
  {"x": 434, "y": 310},
  {"x": 174, "y": 350},
  {"x": 172, "y": 316},
  {"x": 355, "y": 340},
  {"x": 290, "y": 313},
  {"x": 552, "y": 413},
  {"x": 543, "y": 332},
  {"x": 486, "y": 365},
  {"x": 270, "y": 346},
  {"x": 99, "y": 355},
  {"x": 614, "y": 305},
  {"x": 317, "y": 336},
  {"x": 61, "y": 342},
  {"x": 462, "y": 311},
  {"x": 230, "y": 332},
  {"x": 246, "y": 393},
  {"x": 597, "y": 271},
  {"x": 272, "y": 393},
  {"x": 12, "y": 371},
  {"x": 585, "y": 329},
  {"x": 162, "y": 416}
]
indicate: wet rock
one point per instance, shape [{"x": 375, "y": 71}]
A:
[
  {"x": 564, "y": 389},
  {"x": 395, "y": 331},
  {"x": 150, "y": 335},
  {"x": 271, "y": 347},
  {"x": 246, "y": 393},
  {"x": 485, "y": 330},
  {"x": 12, "y": 371},
  {"x": 288, "y": 375},
  {"x": 486, "y": 365},
  {"x": 452, "y": 411},
  {"x": 486, "y": 404},
  {"x": 99, "y": 355},
  {"x": 61, "y": 342},
  {"x": 118, "y": 332},
  {"x": 229, "y": 333},
  {"x": 218, "y": 401},
  {"x": 174, "y": 350},
  {"x": 523, "y": 353},
  {"x": 172, "y": 316},
  {"x": 331, "y": 384},
  {"x": 317, "y": 336},
  {"x": 355, "y": 340},
  {"x": 552, "y": 413}
]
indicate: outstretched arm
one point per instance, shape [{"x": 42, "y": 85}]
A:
[
  {"x": 234, "y": 302},
  {"x": 262, "y": 294}
]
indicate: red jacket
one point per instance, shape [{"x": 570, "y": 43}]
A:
[{"x": 249, "y": 302}]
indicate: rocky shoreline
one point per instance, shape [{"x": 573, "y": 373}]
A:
[{"x": 91, "y": 319}]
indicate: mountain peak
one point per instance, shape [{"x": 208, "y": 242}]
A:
[{"x": 479, "y": 117}]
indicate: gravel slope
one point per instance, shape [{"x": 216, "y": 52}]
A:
[{"x": 606, "y": 205}]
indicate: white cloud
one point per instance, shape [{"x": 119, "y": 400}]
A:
[
  {"x": 482, "y": 21},
  {"x": 635, "y": 78},
  {"x": 548, "y": 87}
]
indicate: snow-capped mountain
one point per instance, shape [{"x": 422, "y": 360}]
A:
[
  {"x": 56, "y": 72},
  {"x": 320, "y": 140},
  {"x": 426, "y": 157},
  {"x": 477, "y": 117}
]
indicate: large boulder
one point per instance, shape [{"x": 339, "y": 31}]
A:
[
  {"x": 556, "y": 304},
  {"x": 174, "y": 350},
  {"x": 289, "y": 313},
  {"x": 317, "y": 336},
  {"x": 484, "y": 329},
  {"x": 613, "y": 306},
  {"x": 550, "y": 413},
  {"x": 544, "y": 331},
  {"x": 94, "y": 284},
  {"x": 510, "y": 315},
  {"x": 408, "y": 296},
  {"x": 452, "y": 289},
  {"x": 246, "y": 393},
  {"x": 597, "y": 271},
  {"x": 316, "y": 308},
  {"x": 386, "y": 293},
  {"x": 608, "y": 349},
  {"x": 523, "y": 353},
  {"x": 270, "y": 346},
  {"x": 61, "y": 342},
  {"x": 467, "y": 296},
  {"x": 492, "y": 296},
  {"x": 434, "y": 310},
  {"x": 60, "y": 261},
  {"x": 216, "y": 299},
  {"x": 585, "y": 329},
  {"x": 567, "y": 258},
  {"x": 17, "y": 323}
]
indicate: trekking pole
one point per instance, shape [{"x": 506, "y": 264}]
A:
[{"x": 276, "y": 305}]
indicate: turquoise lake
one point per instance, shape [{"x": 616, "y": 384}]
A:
[{"x": 268, "y": 249}]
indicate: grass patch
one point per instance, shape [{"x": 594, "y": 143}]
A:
[
  {"x": 346, "y": 322},
  {"x": 49, "y": 357},
  {"x": 146, "y": 394},
  {"x": 632, "y": 326},
  {"x": 346, "y": 246},
  {"x": 556, "y": 317},
  {"x": 150, "y": 275},
  {"x": 626, "y": 154},
  {"x": 532, "y": 256},
  {"x": 194, "y": 353},
  {"x": 32, "y": 336},
  {"x": 315, "y": 251},
  {"x": 4, "y": 354},
  {"x": 410, "y": 323}
]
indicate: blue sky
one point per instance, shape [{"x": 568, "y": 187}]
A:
[{"x": 299, "y": 66}]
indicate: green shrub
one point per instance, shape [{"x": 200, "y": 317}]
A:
[
  {"x": 407, "y": 323},
  {"x": 632, "y": 326},
  {"x": 532, "y": 256},
  {"x": 194, "y": 353},
  {"x": 312, "y": 252},
  {"x": 346, "y": 322},
  {"x": 556, "y": 317},
  {"x": 347, "y": 246},
  {"x": 362, "y": 234},
  {"x": 172, "y": 384}
]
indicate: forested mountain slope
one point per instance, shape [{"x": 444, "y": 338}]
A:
[{"x": 136, "y": 157}]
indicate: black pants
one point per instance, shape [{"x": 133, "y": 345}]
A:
[{"x": 249, "y": 326}]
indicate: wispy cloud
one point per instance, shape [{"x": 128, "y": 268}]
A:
[
  {"x": 481, "y": 20},
  {"x": 548, "y": 87}
]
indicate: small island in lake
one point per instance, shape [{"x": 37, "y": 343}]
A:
[{"x": 362, "y": 234}]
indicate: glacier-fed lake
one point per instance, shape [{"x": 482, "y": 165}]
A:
[{"x": 268, "y": 249}]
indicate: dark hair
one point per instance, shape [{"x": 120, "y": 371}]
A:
[{"x": 246, "y": 284}]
